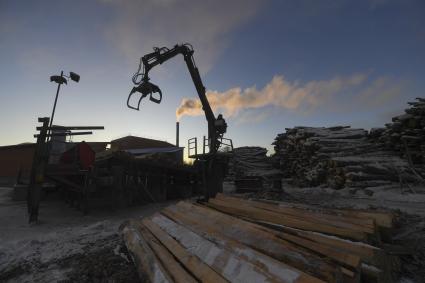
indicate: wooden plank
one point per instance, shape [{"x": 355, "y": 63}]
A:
[
  {"x": 262, "y": 261},
  {"x": 262, "y": 239},
  {"x": 148, "y": 266},
  {"x": 381, "y": 263},
  {"x": 342, "y": 257},
  {"x": 348, "y": 272},
  {"x": 233, "y": 267},
  {"x": 231, "y": 230},
  {"x": 368, "y": 253},
  {"x": 312, "y": 218},
  {"x": 177, "y": 273},
  {"x": 366, "y": 225},
  {"x": 197, "y": 268},
  {"x": 382, "y": 219},
  {"x": 270, "y": 216}
]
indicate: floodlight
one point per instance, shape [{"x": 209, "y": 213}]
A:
[
  {"x": 58, "y": 79},
  {"x": 75, "y": 77}
]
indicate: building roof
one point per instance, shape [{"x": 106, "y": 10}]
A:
[
  {"x": 16, "y": 146},
  {"x": 142, "y": 151},
  {"x": 98, "y": 146},
  {"x": 132, "y": 142},
  {"x": 128, "y": 142}
]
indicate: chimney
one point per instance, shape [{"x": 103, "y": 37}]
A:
[{"x": 177, "y": 133}]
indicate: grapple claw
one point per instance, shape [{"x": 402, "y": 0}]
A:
[
  {"x": 155, "y": 89},
  {"x": 145, "y": 88},
  {"x": 129, "y": 97}
]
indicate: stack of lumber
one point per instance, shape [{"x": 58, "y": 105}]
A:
[
  {"x": 229, "y": 239},
  {"x": 339, "y": 157},
  {"x": 406, "y": 133},
  {"x": 250, "y": 163}
]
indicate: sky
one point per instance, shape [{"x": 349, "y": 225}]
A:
[{"x": 267, "y": 65}]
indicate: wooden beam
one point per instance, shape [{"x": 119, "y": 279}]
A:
[
  {"x": 270, "y": 216},
  {"x": 147, "y": 264},
  {"x": 367, "y": 225},
  {"x": 67, "y": 128},
  {"x": 233, "y": 267},
  {"x": 368, "y": 253},
  {"x": 65, "y": 134},
  {"x": 199, "y": 269},
  {"x": 259, "y": 238},
  {"x": 331, "y": 252},
  {"x": 383, "y": 219},
  {"x": 177, "y": 273},
  {"x": 242, "y": 245}
]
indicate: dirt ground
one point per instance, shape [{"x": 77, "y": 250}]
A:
[
  {"x": 65, "y": 246},
  {"x": 68, "y": 247}
]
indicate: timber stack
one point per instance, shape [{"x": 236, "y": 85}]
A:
[
  {"x": 250, "y": 168},
  {"x": 406, "y": 134},
  {"x": 229, "y": 239},
  {"x": 338, "y": 157}
]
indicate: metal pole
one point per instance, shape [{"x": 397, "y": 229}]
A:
[
  {"x": 54, "y": 105},
  {"x": 177, "y": 133}
]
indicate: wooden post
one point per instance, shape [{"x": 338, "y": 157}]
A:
[{"x": 41, "y": 156}]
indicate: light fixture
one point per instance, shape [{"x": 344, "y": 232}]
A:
[{"x": 61, "y": 80}]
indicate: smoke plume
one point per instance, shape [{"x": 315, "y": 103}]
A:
[{"x": 279, "y": 92}]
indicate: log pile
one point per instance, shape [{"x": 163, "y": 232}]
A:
[
  {"x": 249, "y": 166},
  {"x": 230, "y": 239},
  {"x": 406, "y": 133},
  {"x": 338, "y": 157}
]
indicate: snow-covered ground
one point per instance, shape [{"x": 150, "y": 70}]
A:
[
  {"x": 69, "y": 247},
  {"x": 407, "y": 200},
  {"x": 64, "y": 242}
]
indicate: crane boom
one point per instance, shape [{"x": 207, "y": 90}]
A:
[{"x": 216, "y": 126}]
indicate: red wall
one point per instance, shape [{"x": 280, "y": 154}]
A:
[{"x": 12, "y": 157}]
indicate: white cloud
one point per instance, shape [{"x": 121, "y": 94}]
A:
[
  {"x": 138, "y": 26},
  {"x": 252, "y": 117}
]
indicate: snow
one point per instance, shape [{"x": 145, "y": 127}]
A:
[
  {"x": 44, "y": 252},
  {"x": 386, "y": 197},
  {"x": 45, "y": 249}
]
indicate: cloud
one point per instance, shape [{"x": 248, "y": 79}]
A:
[
  {"x": 137, "y": 26},
  {"x": 252, "y": 117},
  {"x": 306, "y": 97},
  {"x": 279, "y": 92},
  {"x": 381, "y": 91}
]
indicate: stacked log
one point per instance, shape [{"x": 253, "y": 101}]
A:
[
  {"x": 406, "y": 133},
  {"x": 338, "y": 157},
  {"x": 229, "y": 239},
  {"x": 251, "y": 165},
  {"x": 249, "y": 161}
]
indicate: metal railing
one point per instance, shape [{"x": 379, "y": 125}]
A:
[{"x": 192, "y": 145}]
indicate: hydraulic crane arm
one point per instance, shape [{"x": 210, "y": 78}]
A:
[{"x": 216, "y": 126}]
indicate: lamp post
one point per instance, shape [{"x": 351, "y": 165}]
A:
[{"x": 61, "y": 80}]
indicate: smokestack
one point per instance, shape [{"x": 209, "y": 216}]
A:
[{"x": 177, "y": 133}]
